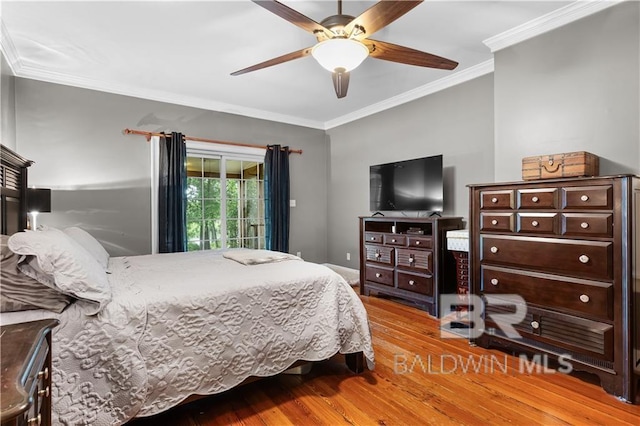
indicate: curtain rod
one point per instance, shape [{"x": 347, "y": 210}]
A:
[{"x": 148, "y": 135}]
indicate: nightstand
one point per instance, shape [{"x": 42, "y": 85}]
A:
[{"x": 25, "y": 373}]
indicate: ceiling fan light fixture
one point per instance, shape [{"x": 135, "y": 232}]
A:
[{"x": 340, "y": 53}]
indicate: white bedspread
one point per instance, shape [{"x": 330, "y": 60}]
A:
[{"x": 197, "y": 323}]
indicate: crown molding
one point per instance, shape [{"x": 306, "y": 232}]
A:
[
  {"x": 162, "y": 96},
  {"x": 9, "y": 50},
  {"x": 467, "y": 74},
  {"x": 556, "y": 19}
]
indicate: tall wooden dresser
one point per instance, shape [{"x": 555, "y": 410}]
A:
[{"x": 570, "y": 248}]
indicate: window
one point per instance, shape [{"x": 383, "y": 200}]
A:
[{"x": 225, "y": 201}]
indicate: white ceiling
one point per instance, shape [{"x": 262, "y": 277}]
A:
[{"x": 183, "y": 52}]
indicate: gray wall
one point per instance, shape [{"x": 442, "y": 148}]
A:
[
  {"x": 572, "y": 89},
  {"x": 101, "y": 178},
  {"x": 7, "y": 104},
  {"x": 456, "y": 122}
]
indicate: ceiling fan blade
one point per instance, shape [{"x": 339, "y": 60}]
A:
[
  {"x": 378, "y": 16},
  {"x": 405, "y": 55},
  {"x": 275, "y": 61},
  {"x": 341, "y": 82},
  {"x": 295, "y": 17}
]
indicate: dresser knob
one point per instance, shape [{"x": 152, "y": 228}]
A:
[
  {"x": 584, "y": 258},
  {"x": 535, "y": 199},
  {"x": 494, "y": 200},
  {"x": 378, "y": 275},
  {"x": 534, "y": 223},
  {"x": 393, "y": 240},
  {"x": 494, "y": 281},
  {"x": 417, "y": 243},
  {"x": 494, "y": 249},
  {"x": 535, "y": 325},
  {"x": 584, "y": 198},
  {"x": 44, "y": 392},
  {"x": 411, "y": 259},
  {"x": 412, "y": 282},
  {"x": 584, "y": 298},
  {"x": 584, "y": 225},
  {"x": 494, "y": 222},
  {"x": 373, "y": 238},
  {"x": 44, "y": 374},
  {"x": 377, "y": 255}
]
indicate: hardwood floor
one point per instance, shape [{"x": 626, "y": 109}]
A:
[{"x": 437, "y": 390}]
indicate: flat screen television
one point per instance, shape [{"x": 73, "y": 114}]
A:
[{"x": 411, "y": 185}]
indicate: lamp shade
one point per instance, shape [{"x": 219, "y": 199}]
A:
[
  {"x": 340, "y": 53},
  {"x": 38, "y": 200}
]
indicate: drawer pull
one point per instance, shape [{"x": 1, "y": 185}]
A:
[
  {"x": 494, "y": 281},
  {"x": 494, "y": 249},
  {"x": 378, "y": 275},
  {"x": 584, "y": 258},
  {"x": 584, "y": 225},
  {"x": 494, "y": 200},
  {"x": 584, "y": 198},
  {"x": 494, "y": 222},
  {"x": 534, "y": 223},
  {"x": 417, "y": 243},
  {"x": 584, "y": 298},
  {"x": 535, "y": 325},
  {"x": 34, "y": 421},
  {"x": 377, "y": 255},
  {"x": 535, "y": 199},
  {"x": 373, "y": 238},
  {"x": 44, "y": 373},
  {"x": 44, "y": 392},
  {"x": 411, "y": 259},
  {"x": 412, "y": 282},
  {"x": 393, "y": 240}
]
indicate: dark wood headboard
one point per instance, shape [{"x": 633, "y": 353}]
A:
[{"x": 13, "y": 190}]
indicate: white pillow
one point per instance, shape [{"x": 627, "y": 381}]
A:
[
  {"x": 74, "y": 270},
  {"x": 90, "y": 244}
]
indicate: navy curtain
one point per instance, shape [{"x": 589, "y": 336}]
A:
[
  {"x": 172, "y": 215},
  {"x": 276, "y": 198}
]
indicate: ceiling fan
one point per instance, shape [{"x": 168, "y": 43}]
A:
[{"x": 343, "y": 41}]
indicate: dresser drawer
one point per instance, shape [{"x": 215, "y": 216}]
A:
[
  {"x": 591, "y": 298},
  {"x": 537, "y": 223},
  {"x": 373, "y": 237},
  {"x": 588, "y": 197},
  {"x": 419, "y": 242},
  {"x": 584, "y": 259},
  {"x": 422, "y": 284},
  {"x": 419, "y": 260},
  {"x": 499, "y": 222},
  {"x": 542, "y": 198},
  {"x": 379, "y": 254},
  {"x": 395, "y": 239},
  {"x": 496, "y": 200},
  {"x": 587, "y": 224},
  {"x": 569, "y": 333},
  {"x": 379, "y": 275}
]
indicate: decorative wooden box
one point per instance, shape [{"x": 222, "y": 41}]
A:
[{"x": 568, "y": 164}]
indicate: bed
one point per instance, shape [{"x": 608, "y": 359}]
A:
[{"x": 141, "y": 334}]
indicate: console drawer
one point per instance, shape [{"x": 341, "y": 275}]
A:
[
  {"x": 419, "y": 260},
  {"x": 373, "y": 237},
  {"x": 422, "y": 284},
  {"x": 586, "y": 224},
  {"x": 584, "y": 259},
  {"x": 420, "y": 242},
  {"x": 379, "y": 275},
  {"x": 395, "y": 239},
  {"x": 379, "y": 254},
  {"x": 590, "y": 298}
]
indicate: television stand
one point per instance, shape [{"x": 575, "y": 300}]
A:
[{"x": 407, "y": 258}]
